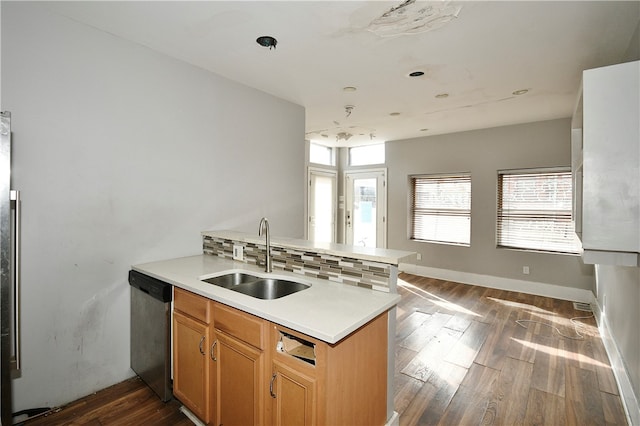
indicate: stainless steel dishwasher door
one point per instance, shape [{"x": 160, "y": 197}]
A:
[{"x": 151, "y": 332}]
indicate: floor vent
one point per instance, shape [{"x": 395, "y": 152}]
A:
[{"x": 581, "y": 306}]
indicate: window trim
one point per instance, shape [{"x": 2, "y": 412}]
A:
[
  {"x": 464, "y": 177},
  {"x": 533, "y": 171}
]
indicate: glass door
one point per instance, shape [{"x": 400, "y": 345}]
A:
[
  {"x": 366, "y": 208},
  {"x": 321, "y": 207}
]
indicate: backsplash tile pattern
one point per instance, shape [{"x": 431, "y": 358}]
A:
[{"x": 361, "y": 273}]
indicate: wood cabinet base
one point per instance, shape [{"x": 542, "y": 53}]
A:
[{"x": 232, "y": 368}]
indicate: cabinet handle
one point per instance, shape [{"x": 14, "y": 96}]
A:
[
  {"x": 273, "y": 395},
  {"x": 200, "y": 345},
  {"x": 213, "y": 348}
]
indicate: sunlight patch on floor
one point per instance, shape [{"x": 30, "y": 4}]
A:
[
  {"x": 436, "y": 300},
  {"x": 552, "y": 351}
]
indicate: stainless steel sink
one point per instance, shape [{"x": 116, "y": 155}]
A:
[
  {"x": 269, "y": 288},
  {"x": 261, "y": 288},
  {"x": 231, "y": 280}
]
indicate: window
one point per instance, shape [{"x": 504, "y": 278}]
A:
[
  {"x": 534, "y": 211},
  {"x": 320, "y": 154},
  {"x": 441, "y": 208},
  {"x": 366, "y": 155}
]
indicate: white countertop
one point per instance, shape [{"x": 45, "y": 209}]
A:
[
  {"x": 393, "y": 257},
  {"x": 327, "y": 310}
]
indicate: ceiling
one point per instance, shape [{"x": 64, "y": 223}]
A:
[{"x": 478, "y": 53}]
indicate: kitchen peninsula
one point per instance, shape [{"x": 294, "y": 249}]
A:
[{"x": 344, "y": 322}]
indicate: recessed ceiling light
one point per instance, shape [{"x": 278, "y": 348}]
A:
[
  {"x": 520, "y": 92},
  {"x": 442, "y": 95},
  {"x": 349, "y": 89},
  {"x": 424, "y": 130},
  {"x": 393, "y": 114},
  {"x": 416, "y": 74},
  {"x": 267, "y": 41}
]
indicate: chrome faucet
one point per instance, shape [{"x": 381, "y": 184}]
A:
[{"x": 264, "y": 227}]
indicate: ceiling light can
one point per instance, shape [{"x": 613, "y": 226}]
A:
[{"x": 267, "y": 41}]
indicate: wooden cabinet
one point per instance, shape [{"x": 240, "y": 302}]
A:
[
  {"x": 232, "y": 368},
  {"x": 345, "y": 385},
  {"x": 294, "y": 396},
  {"x": 606, "y": 164},
  {"x": 237, "y": 367},
  {"x": 190, "y": 348}
]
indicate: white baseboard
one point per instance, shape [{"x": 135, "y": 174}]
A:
[
  {"x": 196, "y": 421},
  {"x": 394, "y": 420},
  {"x": 629, "y": 399},
  {"x": 501, "y": 283}
]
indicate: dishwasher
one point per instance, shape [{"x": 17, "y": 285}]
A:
[{"x": 151, "y": 332}]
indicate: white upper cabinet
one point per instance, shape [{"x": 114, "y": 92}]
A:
[{"x": 606, "y": 164}]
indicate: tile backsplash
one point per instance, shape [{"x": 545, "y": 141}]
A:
[{"x": 361, "y": 273}]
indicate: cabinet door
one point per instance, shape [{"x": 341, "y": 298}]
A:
[
  {"x": 190, "y": 366},
  {"x": 293, "y": 397},
  {"x": 238, "y": 382}
]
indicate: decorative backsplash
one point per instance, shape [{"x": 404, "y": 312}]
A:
[{"x": 361, "y": 273}]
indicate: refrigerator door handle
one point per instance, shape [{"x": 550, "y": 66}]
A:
[{"x": 15, "y": 360}]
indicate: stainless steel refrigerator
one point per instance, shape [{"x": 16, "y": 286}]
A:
[{"x": 9, "y": 274}]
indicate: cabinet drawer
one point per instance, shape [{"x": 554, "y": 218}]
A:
[
  {"x": 239, "y": 324},
  {"x": 192, "y": 305}
]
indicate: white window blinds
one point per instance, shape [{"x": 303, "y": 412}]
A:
[
  {"x": 534, "y": 211},
  {"x": 440, "y": 208}
]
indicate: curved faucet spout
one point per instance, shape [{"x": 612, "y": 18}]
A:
[{"x": 264, "y": 228}]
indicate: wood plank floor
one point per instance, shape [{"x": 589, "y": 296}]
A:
[
  {"x": 128, "y": 403},
  {"x": 461, "y": 358}
]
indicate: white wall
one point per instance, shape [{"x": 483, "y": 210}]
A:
[
  {"x": 123, "y": 156},
  {"x": 483, "y": 153},
  {"x": 618, "y": 298}
]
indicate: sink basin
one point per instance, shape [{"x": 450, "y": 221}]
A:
[
  {"x": 261, "y": 288},
  {"x": 269, "y": 288},
  {"x": 231, "y": 280}
]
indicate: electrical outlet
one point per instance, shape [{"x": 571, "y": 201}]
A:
[
  {"x": 418, "y": 256},
  {"x": 525, "y": 270},
  {"x": 238, "y": 252}
]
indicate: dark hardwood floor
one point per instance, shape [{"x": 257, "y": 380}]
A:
[
  {"x": 461, "y": 358},
  {"x": 128, "y": 403}
]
